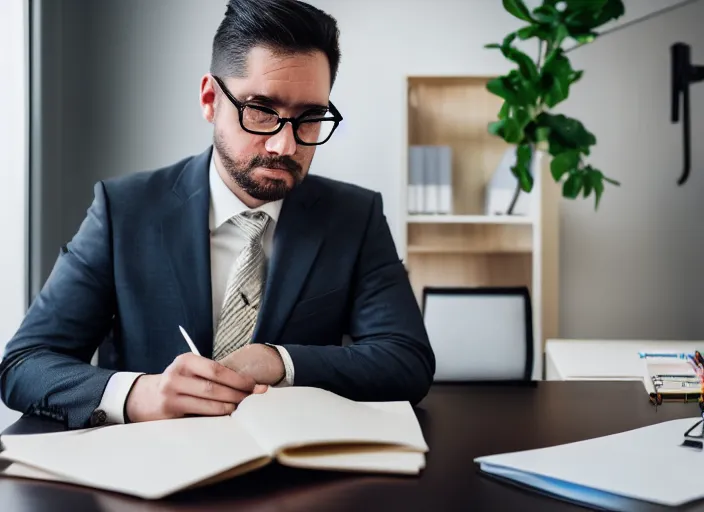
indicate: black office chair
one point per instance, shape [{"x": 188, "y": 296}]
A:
[{"x": 480, "y": 333}]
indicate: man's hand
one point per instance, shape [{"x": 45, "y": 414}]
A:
[
  {"x": 190, "y": 385},
  {"x": 258, "y": 361}
]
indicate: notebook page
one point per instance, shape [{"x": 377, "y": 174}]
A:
[
  {"x": 646, "y": 464},
  {"x": 149, "y": 460},
  {"x": 299, "y": 416}
]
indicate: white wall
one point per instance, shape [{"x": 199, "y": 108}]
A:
[{"x": 13, "y": 165}]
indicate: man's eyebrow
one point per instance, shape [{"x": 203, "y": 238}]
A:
[{"x": 273, "y": 101}]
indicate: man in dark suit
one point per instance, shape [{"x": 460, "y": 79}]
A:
[{"x": 265, "y": 267}]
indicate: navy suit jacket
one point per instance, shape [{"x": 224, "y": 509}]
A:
[{"x": 139, "y": 266}]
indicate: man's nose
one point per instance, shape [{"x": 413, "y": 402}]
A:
[{"x": 282, "y": 143}]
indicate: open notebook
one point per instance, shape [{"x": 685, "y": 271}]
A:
[
  {"x": 297, "y": 426},
  {"x": 648, "y": 464}
]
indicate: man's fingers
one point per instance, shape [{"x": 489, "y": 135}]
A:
[
  {"x": 202, "y": 388},
  {"x": 185, "y": 404},
  {"x": 191, "y": 364},
  {"x": 260, "y": 388}
]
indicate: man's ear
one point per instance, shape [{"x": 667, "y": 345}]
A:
[{"x": 207, "y": 97}]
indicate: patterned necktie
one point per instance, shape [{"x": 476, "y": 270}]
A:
[{"x": 244, "y": 288}]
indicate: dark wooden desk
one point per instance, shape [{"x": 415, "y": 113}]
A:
[{"x": 459, "y": 422}]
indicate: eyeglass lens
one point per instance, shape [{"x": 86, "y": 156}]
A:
[{"x": 312, "y": 129}]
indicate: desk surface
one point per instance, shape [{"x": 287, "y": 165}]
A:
[{"x": 459, "y": 422}]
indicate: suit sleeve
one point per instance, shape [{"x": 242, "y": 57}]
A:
[
  {"x": 46, "y": 368},
  {"x": 391, "y": 357}
]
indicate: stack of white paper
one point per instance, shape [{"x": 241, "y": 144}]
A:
[{"x": 647, "y": 464}]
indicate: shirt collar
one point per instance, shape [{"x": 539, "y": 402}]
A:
[{"x": 224, "y": 204}]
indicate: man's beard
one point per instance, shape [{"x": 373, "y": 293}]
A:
[{"x": 267, "y": 189}]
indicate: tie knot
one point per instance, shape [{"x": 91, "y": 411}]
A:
[{"x": 252, "y": 224}]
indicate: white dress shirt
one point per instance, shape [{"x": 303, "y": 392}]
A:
[{"x": 226, "y": 243}]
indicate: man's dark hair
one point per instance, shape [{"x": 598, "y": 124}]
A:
[{"x": 283, "y": 26}]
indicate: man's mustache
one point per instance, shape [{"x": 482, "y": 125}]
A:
[{"x": 284, "y": 163}]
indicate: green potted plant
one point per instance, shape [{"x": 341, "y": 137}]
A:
[{"x": 537, "y": 85}]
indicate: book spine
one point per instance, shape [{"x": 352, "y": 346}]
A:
[
  {"x": 445, "y": 180},
  {"x": 431, "y": 182},
  {"x": 415, "y": 180}
]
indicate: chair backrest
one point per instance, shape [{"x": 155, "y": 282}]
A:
[{"x": 481, "y": 333}]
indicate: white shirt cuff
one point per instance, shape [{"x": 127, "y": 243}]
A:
[
  {"x": 288, "y": 367},
  {"x": 115, "y": 396}
]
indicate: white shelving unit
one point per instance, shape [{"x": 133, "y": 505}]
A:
[
  {"x": 467, "y": 219},
  {"x": 468, "y": 248}
]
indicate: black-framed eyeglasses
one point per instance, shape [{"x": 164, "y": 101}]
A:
[
  {"x": 312, "y": 128},
  {"x": 694, "y": 437}
]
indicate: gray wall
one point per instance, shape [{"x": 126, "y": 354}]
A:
[
  {"x": 633, "y": 269},
  {"x": 117, "y": 90},
  {"x": 126, "y": 75}
]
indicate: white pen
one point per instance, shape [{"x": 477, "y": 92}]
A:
[{"x": 189, "y": 341}]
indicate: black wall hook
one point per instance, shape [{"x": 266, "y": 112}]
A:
[{"x": 683, "y": 74}]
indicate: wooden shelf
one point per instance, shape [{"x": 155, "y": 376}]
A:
[
  {"x": 468, "y": 219},
  {"x": 470, "y": 238},
  {"x": 455, "y": 111},
  {"x": 429, "y": 249},
  {"x": 467, "y": 247}
]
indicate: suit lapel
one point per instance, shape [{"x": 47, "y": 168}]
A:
[
  {"x": 297, "y": 239},
  {"x": 186, "y": 240}
]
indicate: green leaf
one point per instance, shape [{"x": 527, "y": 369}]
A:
[
  {"x": 522, "y": 117},
  {"x": 518, "y": 9},
  {"x": 585, "y": 5},
  {"x": 563, "y": 163},
  {"x": 513, "y": 132},
  {"x": 612, "y": 181},
  {"x": 527, "y": 91},
  {"x": 528, "y": 68},
  {"x": 561, "y": 33},
  {"x": 596, "y": 178},
  {"x": 497, "y": 127},
  {"x": 584, "y": 37},
  {"x": 566, "y": 133},
  {"x": 598, "y": 192},
  {"x": 509, "y": 39},
  {"x": 556, "y": 77},
  {"x": 587, "y": 187},
  {"x": 546, "y": 14},
  {"x": 502, "y": 88},
  {"x": 492, "y": 46},
  {"x": 542, "y": 31},
  {"x": 597, "y": 183},
  {"x": 573, "y": 185},
  {"x": 583, "y": 16},
  {"x": 505, "y": 110},
  {"x": 524, "y": 156},
  {"x": 613, "y": 9},
  {"x": 514, "y": 88},
  {"x": 528, "y": 32}
]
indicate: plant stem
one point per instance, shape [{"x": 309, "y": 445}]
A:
[{"x": 515, "y": 199}]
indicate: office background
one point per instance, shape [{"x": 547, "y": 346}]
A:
[{"x": 114, "y": 90}]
